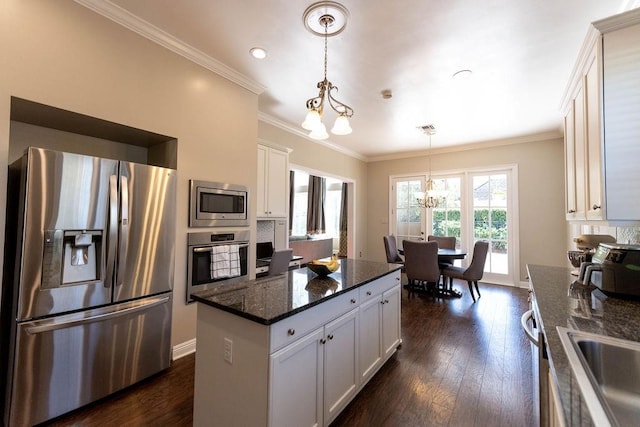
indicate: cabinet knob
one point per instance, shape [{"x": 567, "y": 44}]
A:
[
  {"x": 330, "y": 336},
  {"x": 571, "y": 211},
  {"x": 291, "y": 332},
  {"x": 381, "y": 302},
  {"x": 368, "y": 293},
  {"x": 386, "y": 301},
  {"x": 323, "y": 341},
  {"x": 353, "y": 300},
  {"x": 596, "y": 207}
]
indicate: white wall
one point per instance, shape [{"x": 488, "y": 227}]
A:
[
  {"x": 318, "y": 157},
  {"x": 64, "y": 55},
  {"x": 541, "y": 192}
]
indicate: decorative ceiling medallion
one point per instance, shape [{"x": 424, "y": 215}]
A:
[{"x": 314, "y": 22}]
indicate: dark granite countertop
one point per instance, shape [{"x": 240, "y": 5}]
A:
[
  {"x": 563, "y": 302},
  {"x": 270, "y": 299}
]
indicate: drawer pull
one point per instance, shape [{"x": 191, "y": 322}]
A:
[
  {"x": 353, "y": 300},
  {"x": 368, "y": 293},
  {"x": 323, "y": 341},
  {"x": 596, "y": 207},
  {"x": 330, "y": 336},
  {"x": 291, "y": 331}
]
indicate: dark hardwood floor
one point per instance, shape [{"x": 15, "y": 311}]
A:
[{"x": 460, "y": 364}]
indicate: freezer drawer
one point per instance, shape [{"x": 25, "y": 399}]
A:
[{"x": 64, "y": 362}]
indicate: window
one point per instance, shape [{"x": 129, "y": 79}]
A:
[
  {"x": 479, "y": 205},
  {"x": 446, "y": 217},
  {"x": 333, "y": 199},
  {"x": 490, "y": 219}
]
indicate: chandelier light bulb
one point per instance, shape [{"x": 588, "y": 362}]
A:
[
  {"x": 320, "y": 132},
  {"x": 341, "y": 126},
  {"x": 312, "y": 120}
]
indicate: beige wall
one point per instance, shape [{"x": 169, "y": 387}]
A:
[
  {"x": 541, "y": 193},
  {"x": 318, "y": 157},
  {"x": 61, "y": 54}
]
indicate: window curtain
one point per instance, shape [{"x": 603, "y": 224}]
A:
[
  {"x": 342, "y": 251},
  {"x": 292, "y": 193},
  {"x": 315, "y": 205}
]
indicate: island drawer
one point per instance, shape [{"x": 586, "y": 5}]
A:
[
  {"x": 378, "y": 287},
  {"x": 297, "y": 326}
]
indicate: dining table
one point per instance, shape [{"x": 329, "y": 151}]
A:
[{"x": 446, "y": 256}]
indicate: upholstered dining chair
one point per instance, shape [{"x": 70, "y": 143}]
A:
[
  {"x": 280, "y": 261},
  {"x": 444, "y": 243},
  {"x": 474, "y": 272},
  {"x": 421, "y": 264},
  {"x": 391, "y": 249}
]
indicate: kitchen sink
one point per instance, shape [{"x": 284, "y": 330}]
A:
[{"x": 608, "y": 373}]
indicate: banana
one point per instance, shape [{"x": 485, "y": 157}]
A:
[{"x": 333, "y": 264}]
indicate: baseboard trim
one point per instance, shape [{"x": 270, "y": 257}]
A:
[{"x": 184, "y": 349}]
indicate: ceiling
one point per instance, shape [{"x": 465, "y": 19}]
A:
[{"x": 521, "y": 54}]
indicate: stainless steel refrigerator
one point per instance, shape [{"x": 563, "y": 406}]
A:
[{"x": 88, "y": 279}]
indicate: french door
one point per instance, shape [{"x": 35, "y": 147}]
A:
[{"x": 479, "y": 205}]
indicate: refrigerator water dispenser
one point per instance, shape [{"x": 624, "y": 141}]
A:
[{"x": 71, "y": 257}]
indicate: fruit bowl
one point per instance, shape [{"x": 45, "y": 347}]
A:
[{"x": 320, "y": 269}]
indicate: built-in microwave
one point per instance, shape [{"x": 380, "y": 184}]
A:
[{"x": 216, "y": 204}]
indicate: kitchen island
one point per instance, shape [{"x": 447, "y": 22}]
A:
[
  {"x": 580, "y": 308},
  {"x": 293, "y": 349}
]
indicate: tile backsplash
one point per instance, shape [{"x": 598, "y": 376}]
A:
[
  {"x": 622, "y": 234},
  {"x": 265, "y": 231}
]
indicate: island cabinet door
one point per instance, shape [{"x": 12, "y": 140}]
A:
[
  {"x": 391, "y": 320},
  {"x": 296, "y": 383},
  {"x": 370, "y": 337},
  {"x": 340, "y": 364}
]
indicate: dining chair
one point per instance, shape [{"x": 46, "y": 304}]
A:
[
  {"x": 391, "y": 249},
  {"x": 474, "y": 272},
  {"x": 421, "y": 264},
  {"x": 280, "y": 261}
]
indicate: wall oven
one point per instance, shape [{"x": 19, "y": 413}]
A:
[
  {"x": 216, "y": 204},
  {"x": 216, "y": 258}
]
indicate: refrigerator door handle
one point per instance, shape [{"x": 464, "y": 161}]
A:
[
  {"x": 124, "y": 228},
  {"x": 113, "y": 229},
  {"x": 53, "y": 325}
]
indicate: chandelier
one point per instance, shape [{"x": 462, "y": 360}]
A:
[
  {"x": 326, "y": 18},
  {"x": 431, "y": 197}
]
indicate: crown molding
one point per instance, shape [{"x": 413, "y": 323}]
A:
[
  {"x": 575, "y": 79},
  {"x": 166, "y": 40},
  {"x": 266, "y": 118},
  {"x": 619, "y": 21},
  {"x": 537, "y": 137}
]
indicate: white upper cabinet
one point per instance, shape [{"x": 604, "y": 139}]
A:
[
  {"x": 273, "y": 171},
  {"x": 601, "y": 111}
]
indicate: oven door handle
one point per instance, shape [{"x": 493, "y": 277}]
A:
[
  {"x": 523, "y": 322},
  {"x": 208, "y": 248}
]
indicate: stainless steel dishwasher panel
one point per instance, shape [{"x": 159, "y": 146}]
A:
[{"x": 71, "y": 360}]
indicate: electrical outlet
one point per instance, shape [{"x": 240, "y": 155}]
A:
[{"x": 228, "y": 350}]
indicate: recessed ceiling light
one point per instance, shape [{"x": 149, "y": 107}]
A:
[
  {"x": 462, "y": 75},
  {"x": 258, "y": 52}
]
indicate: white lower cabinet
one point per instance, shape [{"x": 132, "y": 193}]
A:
[
  {"x": 300, "y": 371},
  {"x": 370, "y": 338},
  {"x": 296, "y": 383},
  {"x": 390, "y": 321},
  {"x": 314, "y": 378},
  {"x": 379, "y": 323},
  {"x": 340, "y": 364}
]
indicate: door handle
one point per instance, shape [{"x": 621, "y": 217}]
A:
[
  {"x": 54, "y": 325},
  {"x": 523, "y": 322},
  {"x": 113, "y": 230},
  {"x": 124, "y": 228}
]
